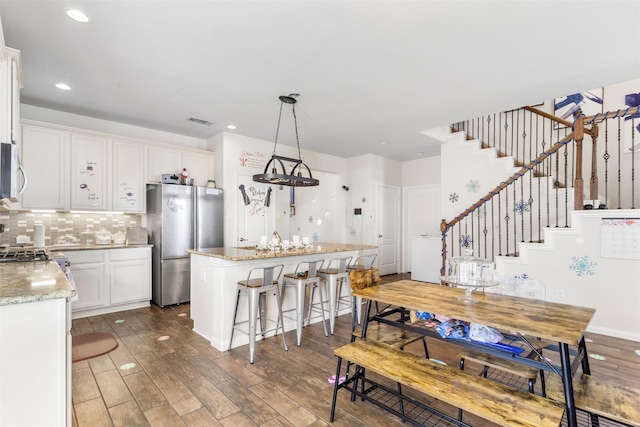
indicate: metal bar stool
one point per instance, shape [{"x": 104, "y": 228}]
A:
[
  {"x": 305, "y": 277},
  {"x": 335, "y": 273},
  {"x": 257, "y": 289},
  {"x": 363, "y": 262}
]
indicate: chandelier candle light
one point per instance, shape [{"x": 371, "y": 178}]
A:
[{"x": 271, "y": 174}]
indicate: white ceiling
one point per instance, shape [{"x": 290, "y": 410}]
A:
[{"x": 368, "y": 71}]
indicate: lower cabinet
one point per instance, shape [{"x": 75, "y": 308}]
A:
[
  {"x": 110, "y": 280},
  {"x": 35, "y": 364}
]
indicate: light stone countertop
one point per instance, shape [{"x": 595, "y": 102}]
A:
[
  {"x": 24, "y": 282},
  {"x": 65, "y": 248},
  {"x": 248, "y": 253}
]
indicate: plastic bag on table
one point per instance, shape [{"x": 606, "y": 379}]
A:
[
  {"x": 453, "y": 328},
  {"x": 483, "y": 333}
]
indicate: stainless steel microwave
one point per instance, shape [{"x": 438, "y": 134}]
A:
[{"x": 9, "y": 171}]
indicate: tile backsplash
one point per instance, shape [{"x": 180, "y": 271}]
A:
[{"x": 57, "y": 225}]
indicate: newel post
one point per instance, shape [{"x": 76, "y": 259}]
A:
[
  {"x": 443, "y": 233},
  {"x": 578, "y": 135},
  {"x": 593, "y": 182}
]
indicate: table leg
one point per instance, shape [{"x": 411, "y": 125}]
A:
[
  {"x": 582, "y": 349},
  {"x": 300, "y": 296},
  {"x": 567, "y": 378}
]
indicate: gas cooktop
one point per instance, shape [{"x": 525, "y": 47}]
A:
[{"x": 23, "y": 254}]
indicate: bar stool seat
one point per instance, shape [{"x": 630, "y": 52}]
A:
[
  {"x": 256, "y": 289},
  {"x": 305, "y": 278},
  {"x": 333, "y": 276}
]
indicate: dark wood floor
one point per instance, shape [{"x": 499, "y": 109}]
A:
[{"x": 183, "y": 381}]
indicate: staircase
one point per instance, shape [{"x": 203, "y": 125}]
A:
[{"x": 531, "y": 221}]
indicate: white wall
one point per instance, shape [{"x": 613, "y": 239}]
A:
[
  {"x": 364, "y": 175},
  {"x": 609, "y": 285},
  {"x": 243, "y": 156}
]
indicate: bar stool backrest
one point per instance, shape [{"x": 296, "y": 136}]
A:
[
  {"x": 519, "y": 287},
  {"x": 310, "y": 267},
  {"x": 340, "y": 263},
  {"x": 269, "y": 276},
  {"x": 364, "y": 261}
]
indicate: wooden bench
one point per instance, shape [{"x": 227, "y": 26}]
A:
[
  {"x": 390, "y": 335},
  {"x": 488, "y": 361},
  {"x": 490, "y": 400},
  {"x": 600, "y": 396}
]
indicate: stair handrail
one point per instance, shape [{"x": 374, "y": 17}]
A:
[{"x": 446, "y": 226}]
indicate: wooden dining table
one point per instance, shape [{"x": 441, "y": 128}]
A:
[{"x": 561, "y": 323}]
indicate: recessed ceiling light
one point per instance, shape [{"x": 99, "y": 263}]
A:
[
  {"x": 231, "y": 127},
  {"x": 420, "y": 153},
  {"x": 78, "y": 16},
  {"x": 63, "y": 86},
  {"x": 383, "y": 142}
]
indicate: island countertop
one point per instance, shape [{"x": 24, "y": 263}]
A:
[
  {"x": 23, "y": 282},
  {"x": 248, "y": 253}
]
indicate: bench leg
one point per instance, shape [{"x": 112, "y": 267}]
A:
[{"x": 336, "y": 385}]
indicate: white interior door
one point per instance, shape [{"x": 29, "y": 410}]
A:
[
  {"x": 421, "y": 213},
  {"x": 254, "y": 219},
  {"x": 388, "y": 226}
]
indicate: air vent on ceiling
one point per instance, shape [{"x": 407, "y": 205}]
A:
[{"x": 200, "y": 121}]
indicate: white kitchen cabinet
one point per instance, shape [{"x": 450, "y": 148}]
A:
[
  {"x": 129, "y": 275},
  {"x": 199, "y": 166},
  {"x": 89, "y": 274},
  {"x": 165, "y": 159},
  {"x": 89, "y": 172},
  {"x": 128, "y": 160},
  {"x": 34, "y": 364},
  {"x": 44, "y": 154},
  {"x": 110, "y": 280},
  {"x": 10, "y": 84}
]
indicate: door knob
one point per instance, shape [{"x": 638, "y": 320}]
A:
[{"x": 379, "y": 235}]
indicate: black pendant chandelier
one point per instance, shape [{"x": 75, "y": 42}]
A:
[{"x": 278, "y": 176}]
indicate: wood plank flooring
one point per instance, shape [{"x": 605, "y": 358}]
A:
[{"x": 183, "y": 381}]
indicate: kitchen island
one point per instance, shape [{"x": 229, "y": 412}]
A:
[
  {"x": 35, "y": 345},
  {"x": 216, "y": 271}
]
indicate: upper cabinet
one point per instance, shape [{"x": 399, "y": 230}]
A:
[
  {"x": 169, "y": 160},
  {"x": 71, "y": 169},
  {"x": 10, "y": 84},
  {"x": 199, "y": 166},
  {"x": 44, "y": 153},
  {"x": 128, "y": 191},
  {"x": 89, "y": 172}
]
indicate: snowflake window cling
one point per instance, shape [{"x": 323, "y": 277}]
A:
[
  {"x": 473, "y": 186},
  {"x": 522, "y": 207},
  {"x": 583, "y": 266}
]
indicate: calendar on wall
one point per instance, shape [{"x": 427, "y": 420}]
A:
[{"x": 620, "y": 238}]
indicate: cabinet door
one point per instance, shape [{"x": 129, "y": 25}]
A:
[
  {"x": 128, "y": 160},
  {"x": 89, "y": 275},
  {"x": 162, "y": 160},
  {"x": 90, "y": 285},
  {"x": 44, "y": 154},
  {"x": 130, "y": 275},
  {"x": 199, "y": 165},
  {"x": 88, "y": 172},
  {"x": 5, "y": 100}
]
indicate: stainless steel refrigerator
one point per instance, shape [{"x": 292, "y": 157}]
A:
[{"x": 180, "y": 217}]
